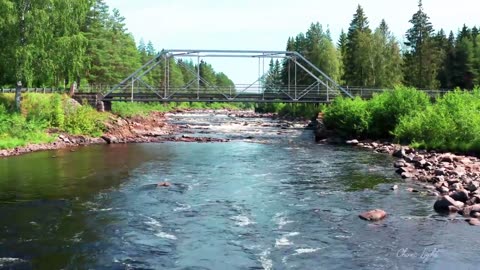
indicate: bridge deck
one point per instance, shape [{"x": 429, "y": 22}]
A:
[{"x": 218, "y": 97}]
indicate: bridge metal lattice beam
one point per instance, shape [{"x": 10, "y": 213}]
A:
[{"x": 321, "y": 90}]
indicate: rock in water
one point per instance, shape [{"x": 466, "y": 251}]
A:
[
  {"x": 473, "y": 221},
  {"x": 352, "y": 142},
  {"x": 163, "y": 184},
  {"x": 471, "y": 210},
  {"x": 373, "y": 215},
  {"x": 443, "y": 204}
]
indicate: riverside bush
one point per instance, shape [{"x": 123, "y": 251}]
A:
[
  {"x": 348, "y": 117},
  {"x": 387, "y": 108},
  {"x": 452, "y": 123},
  {"x": 85, "y": 120},
  {"x": 15, "y": 130},
  {"x": 41, "y": 112},
  {"x": 289, "y": 110},
  {"x": 375, "y": 118},
  {"x": 129, "y": 109}
]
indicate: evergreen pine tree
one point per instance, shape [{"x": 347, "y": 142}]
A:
[
  {"x": 422, "y": 62},
  {"x": 356, "y": 62}
]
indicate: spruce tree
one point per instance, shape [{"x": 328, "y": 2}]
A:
[
  {"x": 342, "y": 52},
  {"x": 356, "y": 58},
  {"x": 422, "y": 62}
]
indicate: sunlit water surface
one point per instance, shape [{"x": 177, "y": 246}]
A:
[{"x": 275, "y": 200}]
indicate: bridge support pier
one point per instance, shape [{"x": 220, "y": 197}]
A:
[{"x": 103, "y": 106}]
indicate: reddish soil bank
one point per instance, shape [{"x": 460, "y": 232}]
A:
[{"x": 141, "y": 129}]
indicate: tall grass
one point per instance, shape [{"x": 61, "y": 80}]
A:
[{"x": 41, "y": 112}]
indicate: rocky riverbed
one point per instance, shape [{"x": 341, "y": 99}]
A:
[
  {"x": 454, "y": 179},
  {"x": 153, "y": 128}
]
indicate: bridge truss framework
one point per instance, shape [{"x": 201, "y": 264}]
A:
[{"x": 136, "y": 88}]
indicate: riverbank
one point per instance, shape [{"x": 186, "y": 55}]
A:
[
  {"x": 453, "y": 179},
  {"x": 153, "y": 127}
]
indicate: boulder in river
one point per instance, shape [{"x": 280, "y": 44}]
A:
[
  {"x": 471, "y": 210},
  {"x": 460, "y": 195},
  {"x": 373, "y": 215},
  {"x": 473, "y": 221},
  {"x": 352, "y": 142},
  {"x": 444, "y": 203},
  {"x": 163, "y": 184}
]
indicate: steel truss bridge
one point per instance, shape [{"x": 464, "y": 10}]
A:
[{"x": 136, "y": 88}]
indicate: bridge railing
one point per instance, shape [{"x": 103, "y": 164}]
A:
[
  {"x": 312, "y": 93},
  {"x": 367, "y": 93},
  {"x": 43, "y": 90}
]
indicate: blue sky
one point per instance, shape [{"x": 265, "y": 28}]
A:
[{"x": 266, "y": 24}]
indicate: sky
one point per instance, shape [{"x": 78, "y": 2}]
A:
[{"x": 267, "y": 24}]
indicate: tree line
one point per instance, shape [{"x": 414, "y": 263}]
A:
[
  {"x": 363, "y": 57},
  {"x": 48, "y": 43}
]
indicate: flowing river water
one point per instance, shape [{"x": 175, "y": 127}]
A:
[{"x": 269, "y": 199}]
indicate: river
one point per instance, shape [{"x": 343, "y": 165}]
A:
[{"x": 269, "y": 199}]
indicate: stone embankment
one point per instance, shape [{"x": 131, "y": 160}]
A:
[{"x": 454, "y": 179}]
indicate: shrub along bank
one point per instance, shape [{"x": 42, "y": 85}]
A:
[
  {"x": 407, "y": 115},
  {"x": 43, "y": 116},
  {"x": 303, "y": 110},
  {"x": 41, "y": 113}
]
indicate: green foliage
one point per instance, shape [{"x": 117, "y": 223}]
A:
[
  {"x": 387, "y": 108},
  {"x": 375, "y": 118},
  {"x": 307, "y": 111},
  {"x": 423, "y": 57},
  {"x": 270, "y": 107},
  {"x": 15, "y": 130},
  {"x": 41, "y": 112},
  {"x": 452, "y": 123},
  {"x": 84, "y": 120},
  {"x": 348, "y": 117},
  {"x": 130, "y": 109}
]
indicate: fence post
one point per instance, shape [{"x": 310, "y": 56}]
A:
[{"x": 18, "y": 96}]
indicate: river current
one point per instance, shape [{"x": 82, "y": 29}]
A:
[{"x": 269, "y": 199}]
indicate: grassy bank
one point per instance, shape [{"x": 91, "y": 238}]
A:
[
  {"x": 407, "y": 115},
  {"x": 306, "y": 111},
  {"x": 129, "y": 109},
  {"x": 42, "y": 116}
]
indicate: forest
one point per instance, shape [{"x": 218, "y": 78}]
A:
[
  {"x": 52, "y": 43},
  {"x": 363, "y": 57},
  {"x": 49, "y": 43}
]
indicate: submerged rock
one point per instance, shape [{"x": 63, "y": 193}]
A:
[
  {"x": 163, "y": 184},
  {"x": 473, "y": 221},
  {"x": 373, "y": 215}
]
